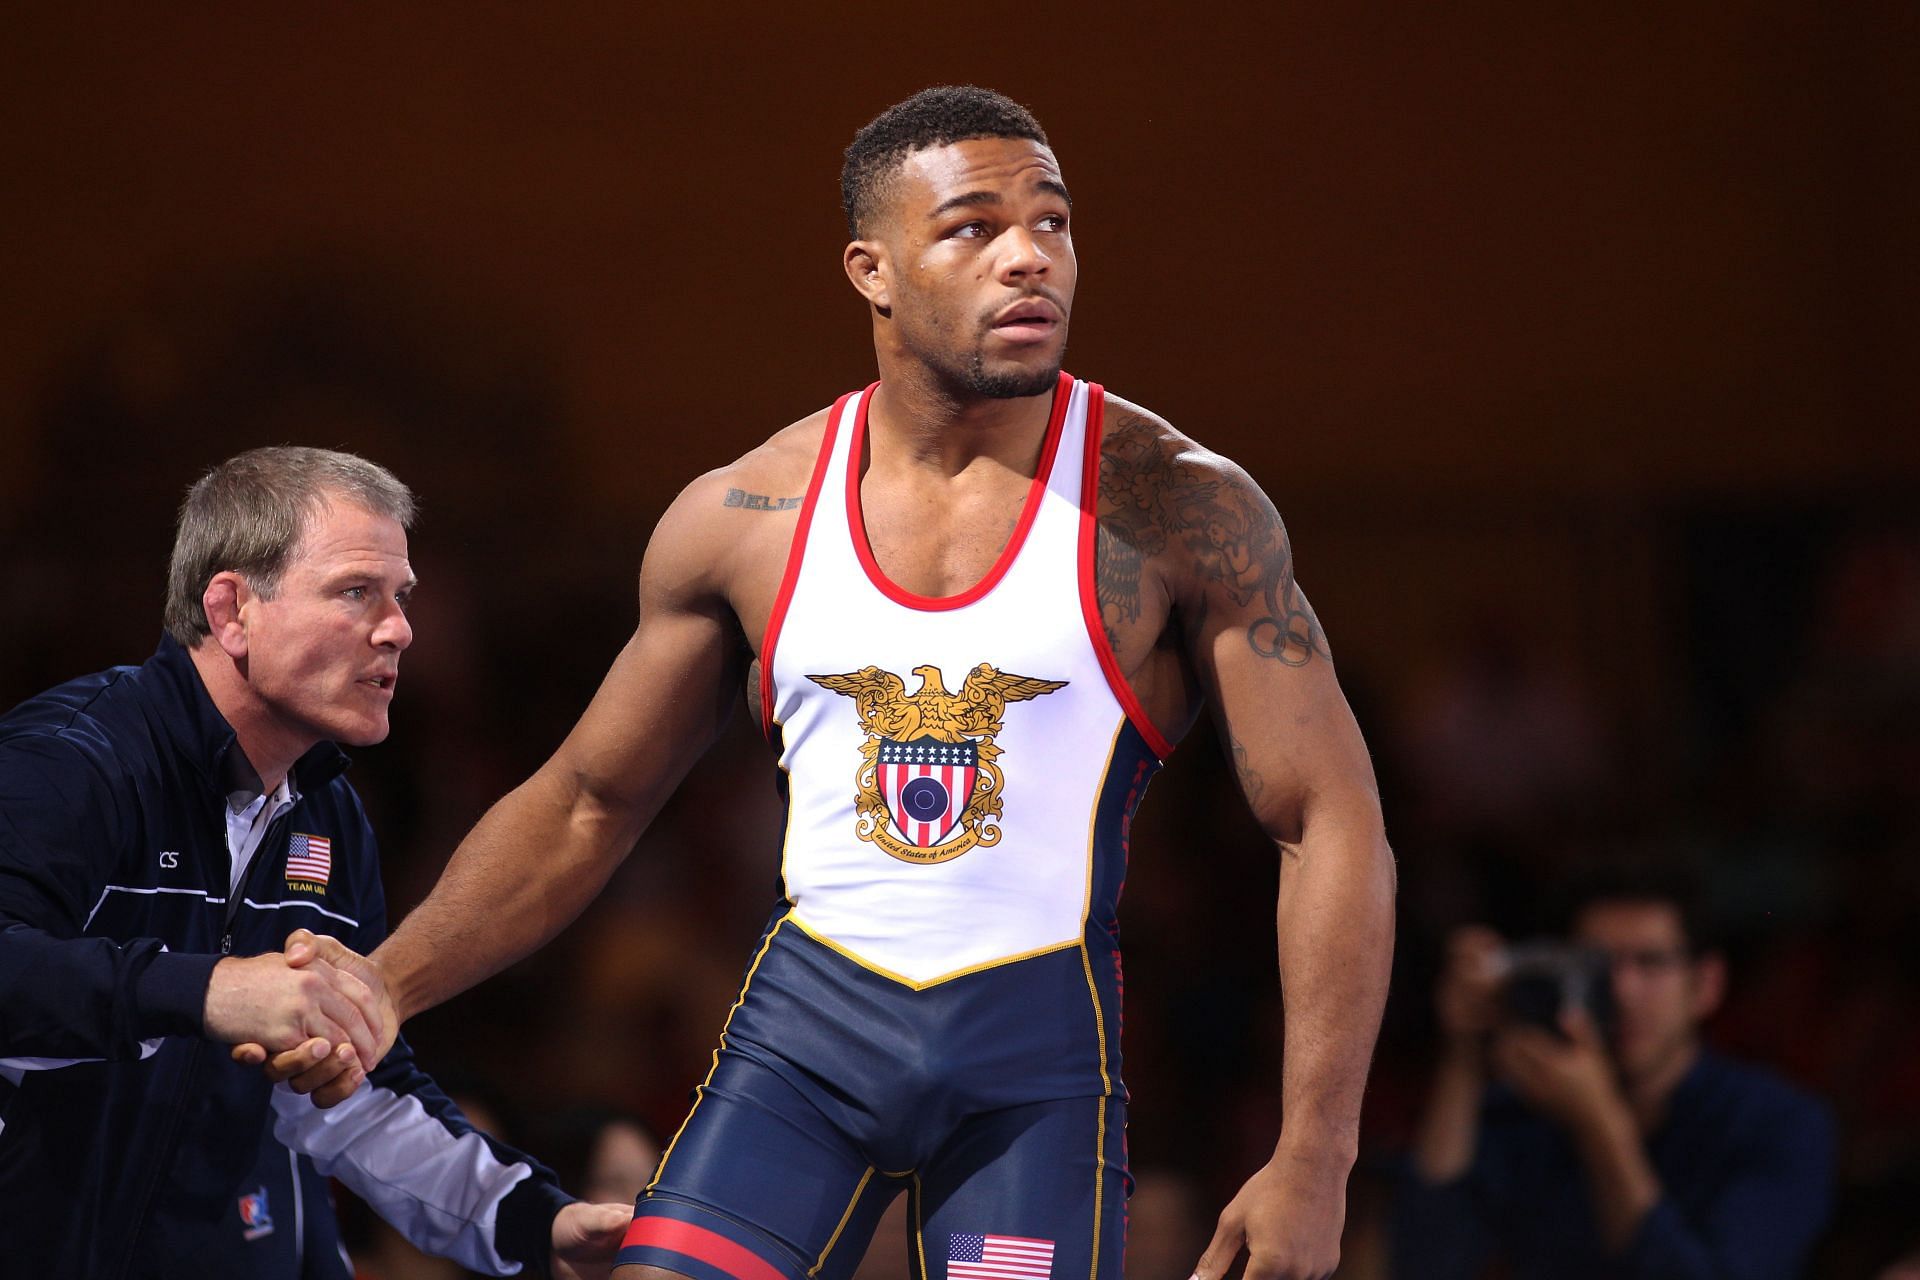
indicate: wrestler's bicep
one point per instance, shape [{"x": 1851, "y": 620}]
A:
[
  {"x": 674, "y": 684},
  {"x": 1262, "y": 657},
  {"x": 1290, "y": 735}
]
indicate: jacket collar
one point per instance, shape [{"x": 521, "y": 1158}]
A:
[{"x": 205, "y": 738}]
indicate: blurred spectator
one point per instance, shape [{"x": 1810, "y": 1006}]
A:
[
  {"x": 1502, "y": 736},
  {"x": 603, "y": 1147},
  {"x": 1501, "y": 742},
  {"x": 1635, "y": 1154},
  {"x": 624, "y": 1156}
]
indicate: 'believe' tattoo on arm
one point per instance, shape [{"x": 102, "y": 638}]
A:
[{"x": 759, "y": 501}]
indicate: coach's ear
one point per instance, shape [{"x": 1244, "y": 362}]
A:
[
  {"x": 870, "y": 270},
  {"x": 225, "y": 601}
]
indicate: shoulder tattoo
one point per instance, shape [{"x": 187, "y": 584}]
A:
[
  {"x": 1127, "y": 530},
  {"x": 1153, "y": 496},
  {"x": 758, "y": 501}
]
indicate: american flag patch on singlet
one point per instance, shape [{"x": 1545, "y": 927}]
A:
[{"x": 971, "y": 1256}]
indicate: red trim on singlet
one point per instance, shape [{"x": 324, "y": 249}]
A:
[
  {"x": 703, "y": 1245},
  {"x": 857, "y": 525},
  {"x": 1089, "y": 598},
  {"x": 795, "y": 553}
]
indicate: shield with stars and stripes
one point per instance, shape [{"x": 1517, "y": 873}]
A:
[{"x": 927, "y": 784}]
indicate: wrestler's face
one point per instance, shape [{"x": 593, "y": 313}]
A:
[
  {"x": 323, "y": 654},
  {"x": 1662, "y": 989},
  {"x": 976, "y": 265}
]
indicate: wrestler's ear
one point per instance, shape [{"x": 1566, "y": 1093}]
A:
[
  {"x": 225, "y": 600},
  {"x": 871, "y": 270}
]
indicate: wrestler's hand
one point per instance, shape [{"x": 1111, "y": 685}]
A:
[
  {"x": 330, "y": 1072},
  {"x": 268, "y": 1002},
  {"x": 1288, "y": 1218},
  {"x": 586, "y": 1237}
]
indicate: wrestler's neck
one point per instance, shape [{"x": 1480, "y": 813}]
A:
[{"x": 918, "y": 422}]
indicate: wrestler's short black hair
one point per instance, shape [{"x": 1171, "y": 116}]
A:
[{"x": 931, "y": 118}]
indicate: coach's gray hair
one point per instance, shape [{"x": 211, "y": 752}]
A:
[{"x": 248, "y": 514}]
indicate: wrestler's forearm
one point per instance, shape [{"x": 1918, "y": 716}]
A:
[
  {"x": 524, "y": 872},
  {"x": 541, "y": 854},
  {"x": 1335, "y": 919}
]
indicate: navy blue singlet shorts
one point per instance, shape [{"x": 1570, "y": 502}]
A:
[{"x": 993, "y": 1100}]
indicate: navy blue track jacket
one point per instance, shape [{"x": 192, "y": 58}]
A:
[{"x": 129, "y": 1145}]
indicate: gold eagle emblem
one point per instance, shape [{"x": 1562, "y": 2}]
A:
[{"x": 929, "y": 764}]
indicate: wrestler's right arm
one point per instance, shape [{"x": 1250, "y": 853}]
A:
[
  {"x": 531, "y": 865},
  {"x": 536, "y": 859}
]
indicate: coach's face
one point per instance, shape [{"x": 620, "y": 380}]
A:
[
  {"x": 970, "y": 265},
  {"x": 323, "y": 655}
]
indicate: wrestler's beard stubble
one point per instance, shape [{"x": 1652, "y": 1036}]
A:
[
  {"x": 969, "y": 377},
  {"x": 1011, "y": 385}
]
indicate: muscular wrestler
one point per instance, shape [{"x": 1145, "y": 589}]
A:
[{"x": 974, "y": 606}]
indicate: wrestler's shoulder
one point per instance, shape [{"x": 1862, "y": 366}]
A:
[
  {"x": 737, "y": 517},
  {"x": 772, "y": 476},
  {"x": 1142, "y": 453}
]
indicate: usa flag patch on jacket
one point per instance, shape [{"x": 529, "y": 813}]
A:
[{"x": 309, "y": 861}]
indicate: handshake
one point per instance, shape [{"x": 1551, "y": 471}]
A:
[{"x": 316, "y": 1015}]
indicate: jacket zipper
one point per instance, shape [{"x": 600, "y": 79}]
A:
[
  {"x": 235, "y": 898},
  {"x": 177, "y": 1115},
  {"x": 238, "y": 897}
]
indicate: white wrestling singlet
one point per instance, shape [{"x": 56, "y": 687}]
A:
[{"x": 959, "y": 770}]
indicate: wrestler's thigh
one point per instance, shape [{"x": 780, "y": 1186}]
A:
[
  {"x": 1035, "y": 1192},
  {"x": 757, "y": 1185},
  {"x": 641, "y": 1271}
]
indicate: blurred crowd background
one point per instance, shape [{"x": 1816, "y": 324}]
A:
[{"x": 1575, "y": 343}]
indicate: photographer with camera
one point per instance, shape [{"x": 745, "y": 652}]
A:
[{"x": 1577, "y": 1125}]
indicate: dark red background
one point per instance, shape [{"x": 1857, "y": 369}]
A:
[{"x": 1575, "y": 342}]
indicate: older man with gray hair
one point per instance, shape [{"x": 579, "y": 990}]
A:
[{"x": 173, "y": 836}]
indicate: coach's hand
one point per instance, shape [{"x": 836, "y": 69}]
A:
[
  {"x": 1288, "y": 1218},
  {"x": 586, "y": 1237},
  {"x": 269, "y": 1001},
  {"x": 330, "y": 1072}
]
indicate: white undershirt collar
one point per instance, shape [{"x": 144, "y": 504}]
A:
[{"x": 249, "y": 814}]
